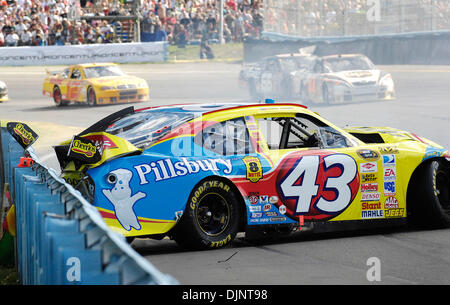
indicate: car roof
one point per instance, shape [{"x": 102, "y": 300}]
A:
[
  {"x": 342, "y": 56},
  {"x": 101, "y": 64},
  {"x": 228, "y": 109},
  {"x": 289, "y": 55}
]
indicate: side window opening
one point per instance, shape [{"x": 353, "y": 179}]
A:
[
  {"x": 301, "y": 131},
  {"x": 226, "y": 138}
]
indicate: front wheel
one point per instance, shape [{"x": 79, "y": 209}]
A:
[
  {"x": 429, "y": 195},
  {"x": 211, "y": 218}
]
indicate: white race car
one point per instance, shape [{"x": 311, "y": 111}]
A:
[{"x": 344, "y": 78}]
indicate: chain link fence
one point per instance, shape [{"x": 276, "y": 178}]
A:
[{"x": 306, "y": 18}]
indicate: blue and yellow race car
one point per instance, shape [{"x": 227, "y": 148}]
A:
[{"x": 202, "y": 173}]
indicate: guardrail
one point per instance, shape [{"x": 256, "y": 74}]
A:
[
  {"x": 418, "y": 48},
  {"x": 60, "y": 237}
]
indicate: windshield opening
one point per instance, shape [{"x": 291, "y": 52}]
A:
[
  {"x": 142, "y": 129},
  {"x": 103, "y": 71},
  {"x": 347, "y": 64}
]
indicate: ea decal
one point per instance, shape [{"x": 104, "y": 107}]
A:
[
  {"x": 120, "y": 196},
  {"x": 318, "y": 186}
]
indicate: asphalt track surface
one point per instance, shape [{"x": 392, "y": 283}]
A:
[{"x": 406, "y": 255}]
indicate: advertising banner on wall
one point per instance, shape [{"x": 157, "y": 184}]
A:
[{"x": 76, "y": 54}]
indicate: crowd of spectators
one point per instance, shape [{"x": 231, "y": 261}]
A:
[
  {"x": 53, "y": 22},
  {"x": 198, "y": 20},
  {"x": 355, "y": 17}
]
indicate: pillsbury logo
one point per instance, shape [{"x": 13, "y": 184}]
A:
[{"x": 167, "y": 169}]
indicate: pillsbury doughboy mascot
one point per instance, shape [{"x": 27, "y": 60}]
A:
[{"x": 121, "y": 198}]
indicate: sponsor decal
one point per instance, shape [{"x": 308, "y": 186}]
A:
[
  {"x": 389, "y": 160},
  {"x": 432, "y": 152},
  {"x": 263, "y": 199},
  {"x": 368, "y": 167},
  {"x": 277, "y": 219},
  {"x": 389, "y": 173},
  {"x": 167, "y": 169},
  {"x": 368, "y": 177},
  {"x": 369, "y": 187},
  {"x": 86, "y": 149},
  {"x": 254, "y": 169},
  {"x": 368, "y": 154},
  {"x": 255, "y": 215},
  {"x": 394, "y": 213},
  {"x": 267, "y": 207},
  {"x": 120, "y": 196},
  {"x": 387, "y": 150},
  {"x": 389, "y": 188},
  {"x": 370, "y": 196},
  {"x": 253, "y": 197},
  {"x": 273, "y": 199},
  {"x": 282, "y": 209},
  {"x": 83, "y": 150},
  {"x": 23, "y": 134},
  {"x": 391, "y": 203},
  {"x": 370, "y": 214},
  {"x": 254, "y": 208},
  {"x": 271, "y": 214},
  {"x": 371, "y": 206}
]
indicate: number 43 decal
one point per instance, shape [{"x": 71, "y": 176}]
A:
[{"x": 321, "y": 184}]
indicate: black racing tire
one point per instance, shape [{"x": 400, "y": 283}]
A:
[
  {"x": 57, "y": 97},
  {"x": 91, "y": 97},
  {"x": 304, "y": 95},
  {"x": 252, "y": 88},
  {"x": 212, "y": 216},
  {"x": 326, "y": 94},
  {"x": 428, "y": 199}
]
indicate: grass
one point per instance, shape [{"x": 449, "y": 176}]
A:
[{"x": 222, "y": 52}]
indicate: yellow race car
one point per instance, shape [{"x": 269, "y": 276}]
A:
[{"x": 94, "y": 83}]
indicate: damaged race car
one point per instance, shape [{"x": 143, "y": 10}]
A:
[
  {"x": 202, "y": 173},
  {"x": 345, "y": 78},
  {"x": 274, "y": 76},
  {"x": 312, "y": 79}
]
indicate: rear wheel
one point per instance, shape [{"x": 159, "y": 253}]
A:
[
  {"x": 57, "y": 97},
  {"x": 211, "y": 218},
  {"x": 429, "y": 195},
  {"x": 327, "y": 98},
  {"x": 91, "y": 97}
]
